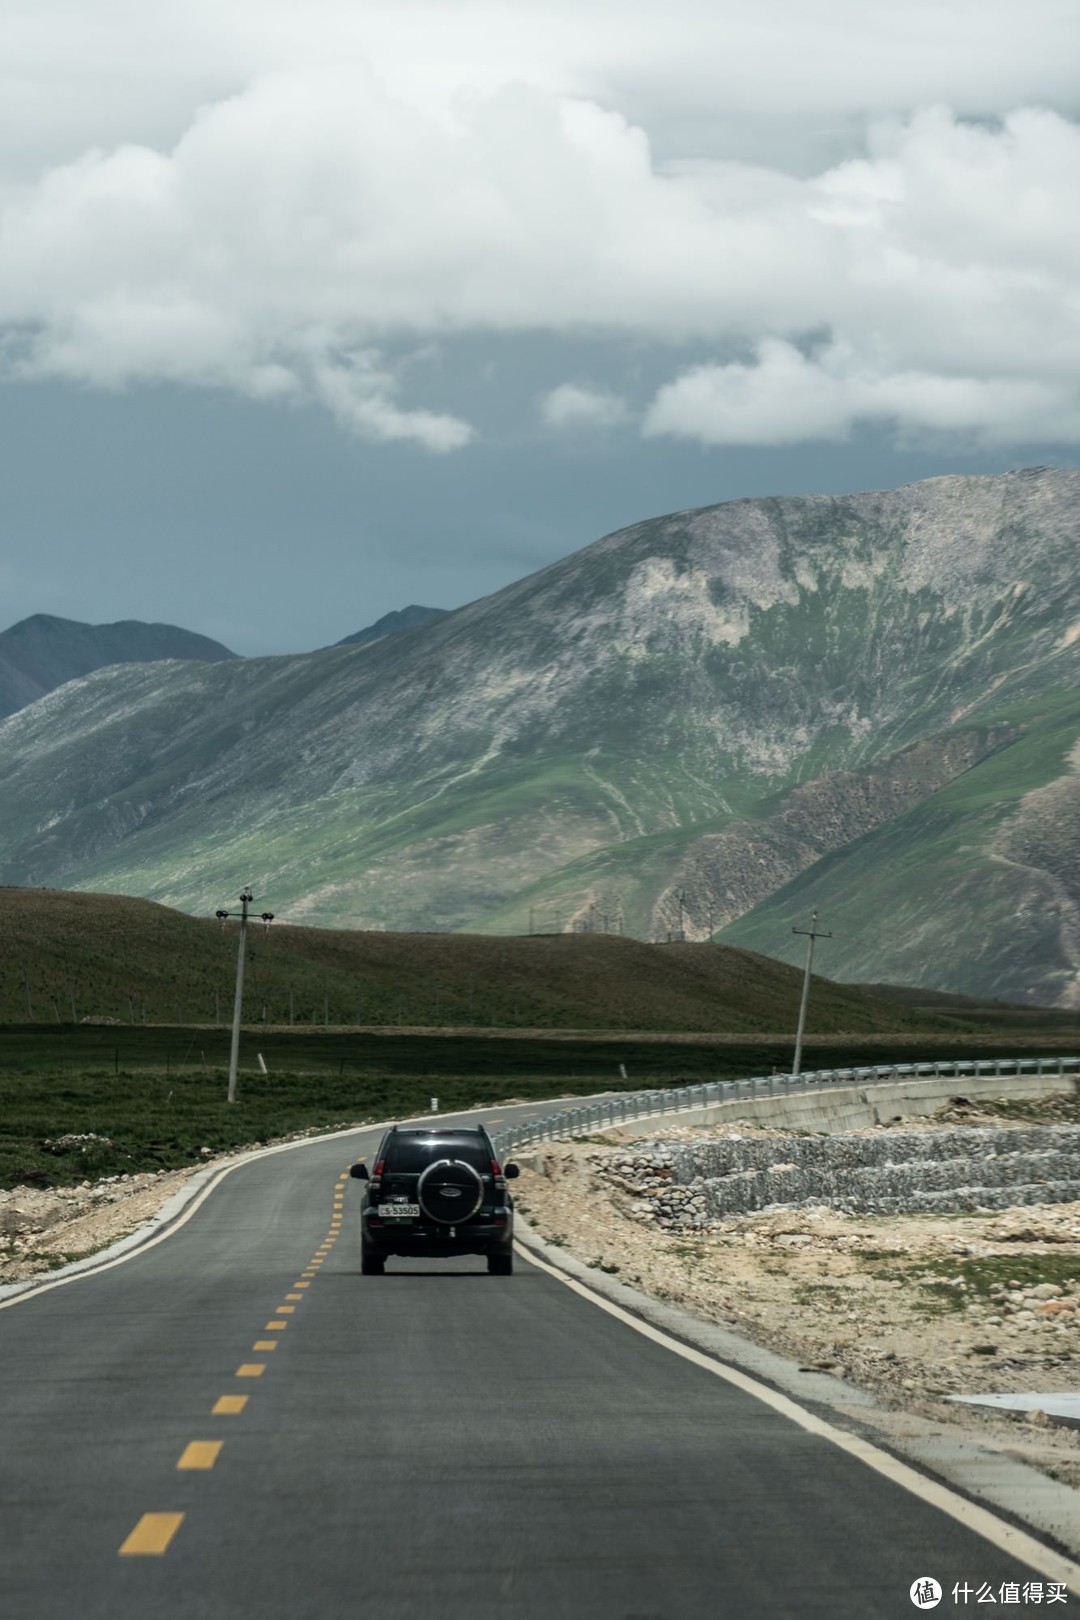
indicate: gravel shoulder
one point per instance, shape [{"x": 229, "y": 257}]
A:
[
  {"x": 912, "y": 1308},
  {"x": 43, "y": 1229}
]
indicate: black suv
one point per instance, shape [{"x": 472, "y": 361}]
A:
[{"x": 436, "y": 1190}]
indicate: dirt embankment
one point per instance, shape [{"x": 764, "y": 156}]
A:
[{"x": 41, "y": 1229}]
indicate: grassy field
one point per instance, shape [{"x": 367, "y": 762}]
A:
[
  {"x": 113, "y": 1017},
  {"x": 154, "y": 1098},
  {"x": 68, "y": 956}
]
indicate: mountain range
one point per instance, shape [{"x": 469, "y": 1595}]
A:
[
  {"x": 392, "y": 624},
  {"x": 713, "y": 722},
  {"x": 41, "y": 653}
]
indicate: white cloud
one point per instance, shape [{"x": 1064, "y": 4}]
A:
[
  {"x": 570, "y": 405},
  {"x": 785, "y": 397},
  {"x": 343, "y": 178},
  {"x": 781, "y": 75},
  {"x": 360, "y": 394}
]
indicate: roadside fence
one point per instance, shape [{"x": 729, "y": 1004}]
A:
[{"x": 631, "y": 1105}]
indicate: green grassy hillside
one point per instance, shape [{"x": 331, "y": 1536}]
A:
[
  {"x": 71, "y": 956},
  {"x": 713, "y": 704},
  {"x": 942, "y": 895}
]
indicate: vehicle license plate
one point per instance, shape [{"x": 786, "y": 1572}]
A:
[{"x": 398, "y": 1212}]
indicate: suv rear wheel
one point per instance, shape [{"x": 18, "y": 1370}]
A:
[
  {"x": 501, "y": 1264},
  {"x": 371, "y": 1265}
]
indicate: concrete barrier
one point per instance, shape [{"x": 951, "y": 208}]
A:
[{"x": 855, "y": 1107}]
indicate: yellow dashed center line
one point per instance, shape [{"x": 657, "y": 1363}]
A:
[
  {"x": 200, "y": 1454},
  {"x": 151, "y": 1535},
  {"x": 154, "y": 1532}
]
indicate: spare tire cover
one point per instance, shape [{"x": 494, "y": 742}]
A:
[{"x": 449, "y": 1191}]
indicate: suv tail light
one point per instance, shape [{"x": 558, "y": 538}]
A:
[{"x": 500, "y": 1179}]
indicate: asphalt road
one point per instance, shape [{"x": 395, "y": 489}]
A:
[{"x": 431, "y": 1443}]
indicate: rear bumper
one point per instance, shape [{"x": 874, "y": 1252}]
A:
[{"x": 430, "y": 1240}]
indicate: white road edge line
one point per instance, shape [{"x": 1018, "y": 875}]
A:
[
  {"x": 1016, "y": 1543},
  {"x": 34, "y": 1290}
]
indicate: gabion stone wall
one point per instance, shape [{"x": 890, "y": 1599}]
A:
[{"x": 692, "y": 1183}]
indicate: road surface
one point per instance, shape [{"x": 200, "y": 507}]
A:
[{"x": 235, "y": 1423}]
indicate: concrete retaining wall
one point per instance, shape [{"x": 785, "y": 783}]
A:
[{"x": 853, "y": 1108}]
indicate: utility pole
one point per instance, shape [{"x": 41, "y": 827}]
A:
[
  {"x": 812, "y": 933},
  {"x": 234, "y": 1051},
  {"x": 680, "y": 932}
]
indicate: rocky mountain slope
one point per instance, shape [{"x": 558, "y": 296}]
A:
[
  {"x": 869, "y": 703},
  {"x": 39, "y": 654},
  {"x": 391, "y": 624}
]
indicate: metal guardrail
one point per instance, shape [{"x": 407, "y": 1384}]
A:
[{"x": 617, "y": 1110}]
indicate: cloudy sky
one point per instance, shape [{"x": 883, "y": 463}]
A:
[{"x": 310, "y": 310}]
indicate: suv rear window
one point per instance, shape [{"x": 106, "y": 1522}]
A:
[{"x": 408, "y": 1155}]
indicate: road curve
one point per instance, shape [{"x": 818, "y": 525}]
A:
[{"x": 434, "y": 1442}]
